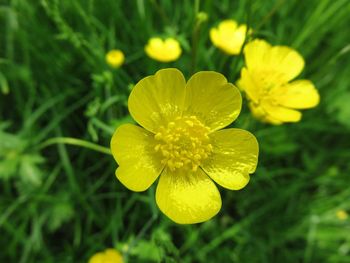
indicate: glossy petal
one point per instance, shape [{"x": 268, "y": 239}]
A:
[
  {"x": 234, "y": 157},
  {"x": 280, "y": 113},
  {"x": 281, "y": 63},
  {"x": 133, "y": 149},
  {"x": 158, "y": 98},
  {"x": 212, "y": 99},
  {"x": 187, "y": 197},
  {"x": 300, "y": 94}
]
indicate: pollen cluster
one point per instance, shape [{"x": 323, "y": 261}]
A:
[{"x": 183, "y": 143}]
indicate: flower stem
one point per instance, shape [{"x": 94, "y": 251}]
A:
[
  {"x": 200, "y": 17},
  {"x": 76, "y": 142}
]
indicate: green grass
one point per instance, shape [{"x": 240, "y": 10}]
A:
[{"x": 62, "y": 203}]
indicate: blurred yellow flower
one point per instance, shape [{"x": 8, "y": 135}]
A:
[
  {"x": 108, "y": 256},
  {"x": 342, "y": 214},
  {"x": 115, "y": 58},
  {"x": 163, "y": 50},
  {"x": 266, "y": 82},
  {"x": 182, "y": 142},
  {"x": 229, "y": 36}
]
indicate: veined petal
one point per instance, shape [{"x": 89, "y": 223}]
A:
[
  {"x": 212, "y": 99},
  {"x": 234, "y": 157},
  {"x": 133, "y": 149},
  {"x": 299, "y": 94},
  {"x": 158, "y": 98},
  {"x": 187, "y": 197}
]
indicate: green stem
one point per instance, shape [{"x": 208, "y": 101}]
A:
[
  {"x": 270, "y": 14},
  {"x": 200, "y": 17},
  {"x": 234, "y": 63},
  {"x": 76, "y": 142}
]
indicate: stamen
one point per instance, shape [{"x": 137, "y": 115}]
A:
[{"x": 183, "y": 143}]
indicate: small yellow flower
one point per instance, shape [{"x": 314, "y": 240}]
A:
[
  {"x": 266, "y": 82},
  {"x": 115, "y": 58},
  {"x": 342, "y": 215},
  {"x": 229, "y": 36},
  {"x": 181, "y": 142},
  {"x": 163, "y": 50},
  {"x": 108, "y": 256}
]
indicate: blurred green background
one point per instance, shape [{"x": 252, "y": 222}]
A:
[{"x": 62, "y": 203}]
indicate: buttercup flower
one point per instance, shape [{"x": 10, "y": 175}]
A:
[
  {"x": 266, "y": 82},
  {"x": 108, "y": 256},
  {"x": 342, "y": 215},
  {"x": 115, "y": 58},
  {"x": 163, "y": 50},
  {"x": 181, "y": 142},
  {"x": 229, "y": 36}
]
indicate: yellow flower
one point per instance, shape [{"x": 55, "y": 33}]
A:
[
  {"x": 108, "y": 256},
  {"x": 342, "y": 215},
  {"x": 266, "y": 82},
  {"x": 163, "y": 50},
  {"x": 228, "y": 36},
  {"x": 180, "y": 141},
  {"x": 115, "y": 58}
]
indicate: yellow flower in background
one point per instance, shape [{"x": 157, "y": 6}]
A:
[
  {"x": 163, "y": 50},
  {"x": 342, "y": 215},
  {"x": 182, "y": 143},
  {"x": 108, "y": 256},
  {"x": 266, "y": 82},
  {"x": 229, "y": 36},
  {"x": 115, "y": 58}
]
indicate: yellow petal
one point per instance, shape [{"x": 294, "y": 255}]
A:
[
  {"x": 227, "y": 26},
  {"x": 286, "y": 60},
  {"x": 254, "y": 53},
  {"x": 234, "y": 157},
  {"x": 115, "y": 58},
  {"x": 112, "y": 255},
  {"x": 133, "y": 149},
  {"x": 212, "y": 99},
  {"x": 163, "y": 51},
  {"x": 248, "y": 85},
  {"x": 299, "y": 94},
  {"x": 158, "y": 98},
  {"x": 97, "y": 258},
  {"x": 280, "y": 113},
  {"x": 228, "y": 36},
  {"x": 173, "y": 48},
  {"x": 187, "y": 197},
  {"x": 214, "y": 36},
  {"x": 108, "y": 256},
  {"x": 261, "y": 56},
  {"x": 260, "y": 114}
]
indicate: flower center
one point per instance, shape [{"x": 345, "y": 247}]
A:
[{"x": 183, "y": 143}]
